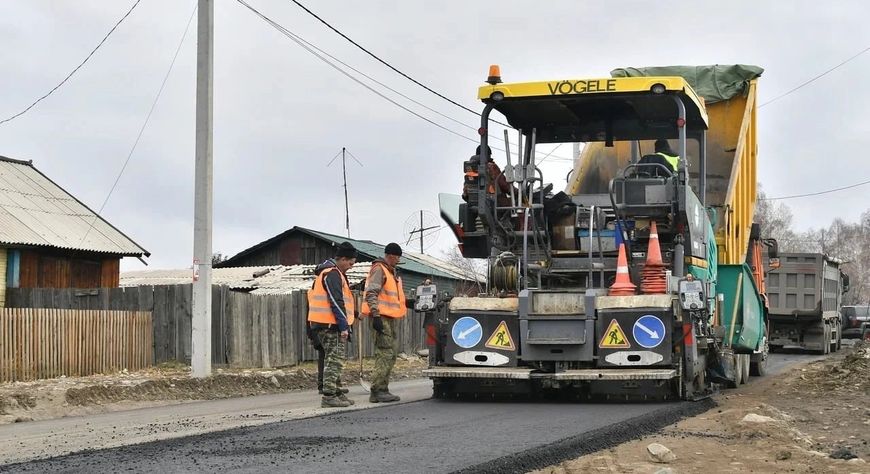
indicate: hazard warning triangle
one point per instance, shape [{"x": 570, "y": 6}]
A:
[
  {"x": 501, "y": 339},
  {"x": 614, "y": 337}
]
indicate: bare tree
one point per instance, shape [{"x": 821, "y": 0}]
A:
[
  {"x": 218, "y": 257},
  {"x": 775, "y": 219},
  {"x": 472, "y": 269}
]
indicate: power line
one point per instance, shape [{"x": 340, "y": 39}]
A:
[
  {"x": 814, "y": 78},
  {"x": 293, "y": 37},
  {"x": 328, "y": 59},
  {"x": 424, "y": 86},
  {"x": 380, "y": 83},
  {"x": 817, "y": 193},
  {"x": 74, "y": 70},
  {"x": 145, "y": 123}
]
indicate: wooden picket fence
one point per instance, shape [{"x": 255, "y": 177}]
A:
[{"x": 38, "y": 343}]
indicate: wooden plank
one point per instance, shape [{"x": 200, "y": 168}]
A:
[{"x": 185, "y": 310}]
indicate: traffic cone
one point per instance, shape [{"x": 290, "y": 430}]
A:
[
  {"x": 654, "y": 276},
  {"x": 623, "y": 285}
]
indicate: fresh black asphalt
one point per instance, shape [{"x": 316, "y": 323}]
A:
[{"x": 427, "y": 436}]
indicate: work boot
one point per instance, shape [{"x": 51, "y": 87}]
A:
[
  {"x": 383, "y": 397},
  {"x": 344, "y": 398},
  {"x": 334, "y": 402},
  {"x": 343, "y": 390}
]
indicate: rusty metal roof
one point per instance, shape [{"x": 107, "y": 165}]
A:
[{"x": 35, "y": 211}]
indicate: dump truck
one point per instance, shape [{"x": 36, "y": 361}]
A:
[
  {"x": 805, "y": 297},
  {"x": 638, "y": 281}
]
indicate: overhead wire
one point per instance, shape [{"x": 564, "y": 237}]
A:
[
  {"x": 68, "y": 76},
  {"x": 145, "y": 123},
  {"x": 818, "y": 193},
  {"x": 293, "y": 37},
  {"x": 808, "y": 82},
  {"x": 328, "y": 59},
  {"x": 385, "y": 63}
]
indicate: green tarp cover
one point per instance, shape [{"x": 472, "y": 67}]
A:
[{"x": 713, "y": 83}]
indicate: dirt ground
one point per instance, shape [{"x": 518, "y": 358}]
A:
[
  {"x": 811, "y": 419},
  {"x": 167, "y": 384}
]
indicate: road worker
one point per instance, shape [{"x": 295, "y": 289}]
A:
[
  {"x": 385, "y": 304},
  {"x": 495, "y": 178},
  {"x": 331, "y": 312},
  {"x": 664, "y": 156}
]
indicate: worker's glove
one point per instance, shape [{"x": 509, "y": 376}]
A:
[{"x": 377, "y": 324}]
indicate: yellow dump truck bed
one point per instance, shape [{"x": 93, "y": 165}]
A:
[{"x": 730, "y": 102}]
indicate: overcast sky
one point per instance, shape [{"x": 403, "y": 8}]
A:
[{"x": 281, "y": 114}]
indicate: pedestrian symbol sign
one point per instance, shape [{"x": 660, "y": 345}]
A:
[
  {"x": 467, "y": 332},
  {"x": 614, "y": 337},
  {"x": 501, "y": 339}
]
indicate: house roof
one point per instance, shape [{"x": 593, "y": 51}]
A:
[
  {"x": 411, "y": 261},
  {"x": 261, "y": 280},
  {"x": 35, "y": 211}
]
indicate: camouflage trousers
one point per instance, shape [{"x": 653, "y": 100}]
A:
[
  {"x": 386, "y": 349},
  {"x": 333, "y": 362}
]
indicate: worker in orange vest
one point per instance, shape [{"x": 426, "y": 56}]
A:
[
  {"x": 331, "y": 312},
  {"x": 385, "y": 303},
  {"x": 495, "y": 179}
]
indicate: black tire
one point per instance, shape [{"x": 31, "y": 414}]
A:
[
  {"x": 839, "y": 336},
  {"x": 833, "y": 340},
  {"x": 758, "y": 362}
]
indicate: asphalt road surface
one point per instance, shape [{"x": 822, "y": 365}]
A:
[{"x": 424, "y": 436}]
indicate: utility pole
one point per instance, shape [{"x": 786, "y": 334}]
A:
[
  {"x": 200, "y": 357},
  {"x": 343, "y": 155}
]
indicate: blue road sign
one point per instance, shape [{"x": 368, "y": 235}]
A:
[
  {"x": 467, "y": 332},
  {"x": 648, "y": 331}
]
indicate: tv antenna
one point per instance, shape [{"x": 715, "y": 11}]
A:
[
  {"x": 422, "y": 226},
  {"x": 344, "y": 154}
]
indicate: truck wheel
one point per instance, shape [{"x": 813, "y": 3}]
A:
[
  {"x": 745, "y": 361},
  {"x": 839, "y": 336},
  {"x": 826, "y": 338},
  {"x": 758, "y": 362},
  {"x": 739, "y": 378}
]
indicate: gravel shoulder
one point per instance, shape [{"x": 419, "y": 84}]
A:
[
  {"x": 812, "y": 418},
  {"x": 167, "y": 384}
]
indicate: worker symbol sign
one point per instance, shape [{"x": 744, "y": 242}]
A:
[
  {"x": 501, "y": 339},
  {"x": 467, "y": 332},
  {"x": 614, "y": 337}
]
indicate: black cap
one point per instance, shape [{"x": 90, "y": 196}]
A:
[
  {"x": 393, "y": 248},
  {"x": 346, "y": 250},
  {"x": 488, "y": 151},
  {"x": 663, "y": 146}
]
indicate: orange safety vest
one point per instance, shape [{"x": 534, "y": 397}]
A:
[
  {"x": 471, "y": 175},
  {"x": 391, "y": 299},
  {"x": 319, "y": 310}
]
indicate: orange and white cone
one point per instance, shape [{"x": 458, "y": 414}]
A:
[
  {"x": 623, "y": 285},
  {"x": 654, "y": 274}
]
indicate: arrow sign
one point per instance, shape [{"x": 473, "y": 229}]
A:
[
  {"x": 464, "y": 334},
  {"x": 649, "y": 331},
  {"x": 652, "y": 334},
  {"x": 467, "y": 332}
]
